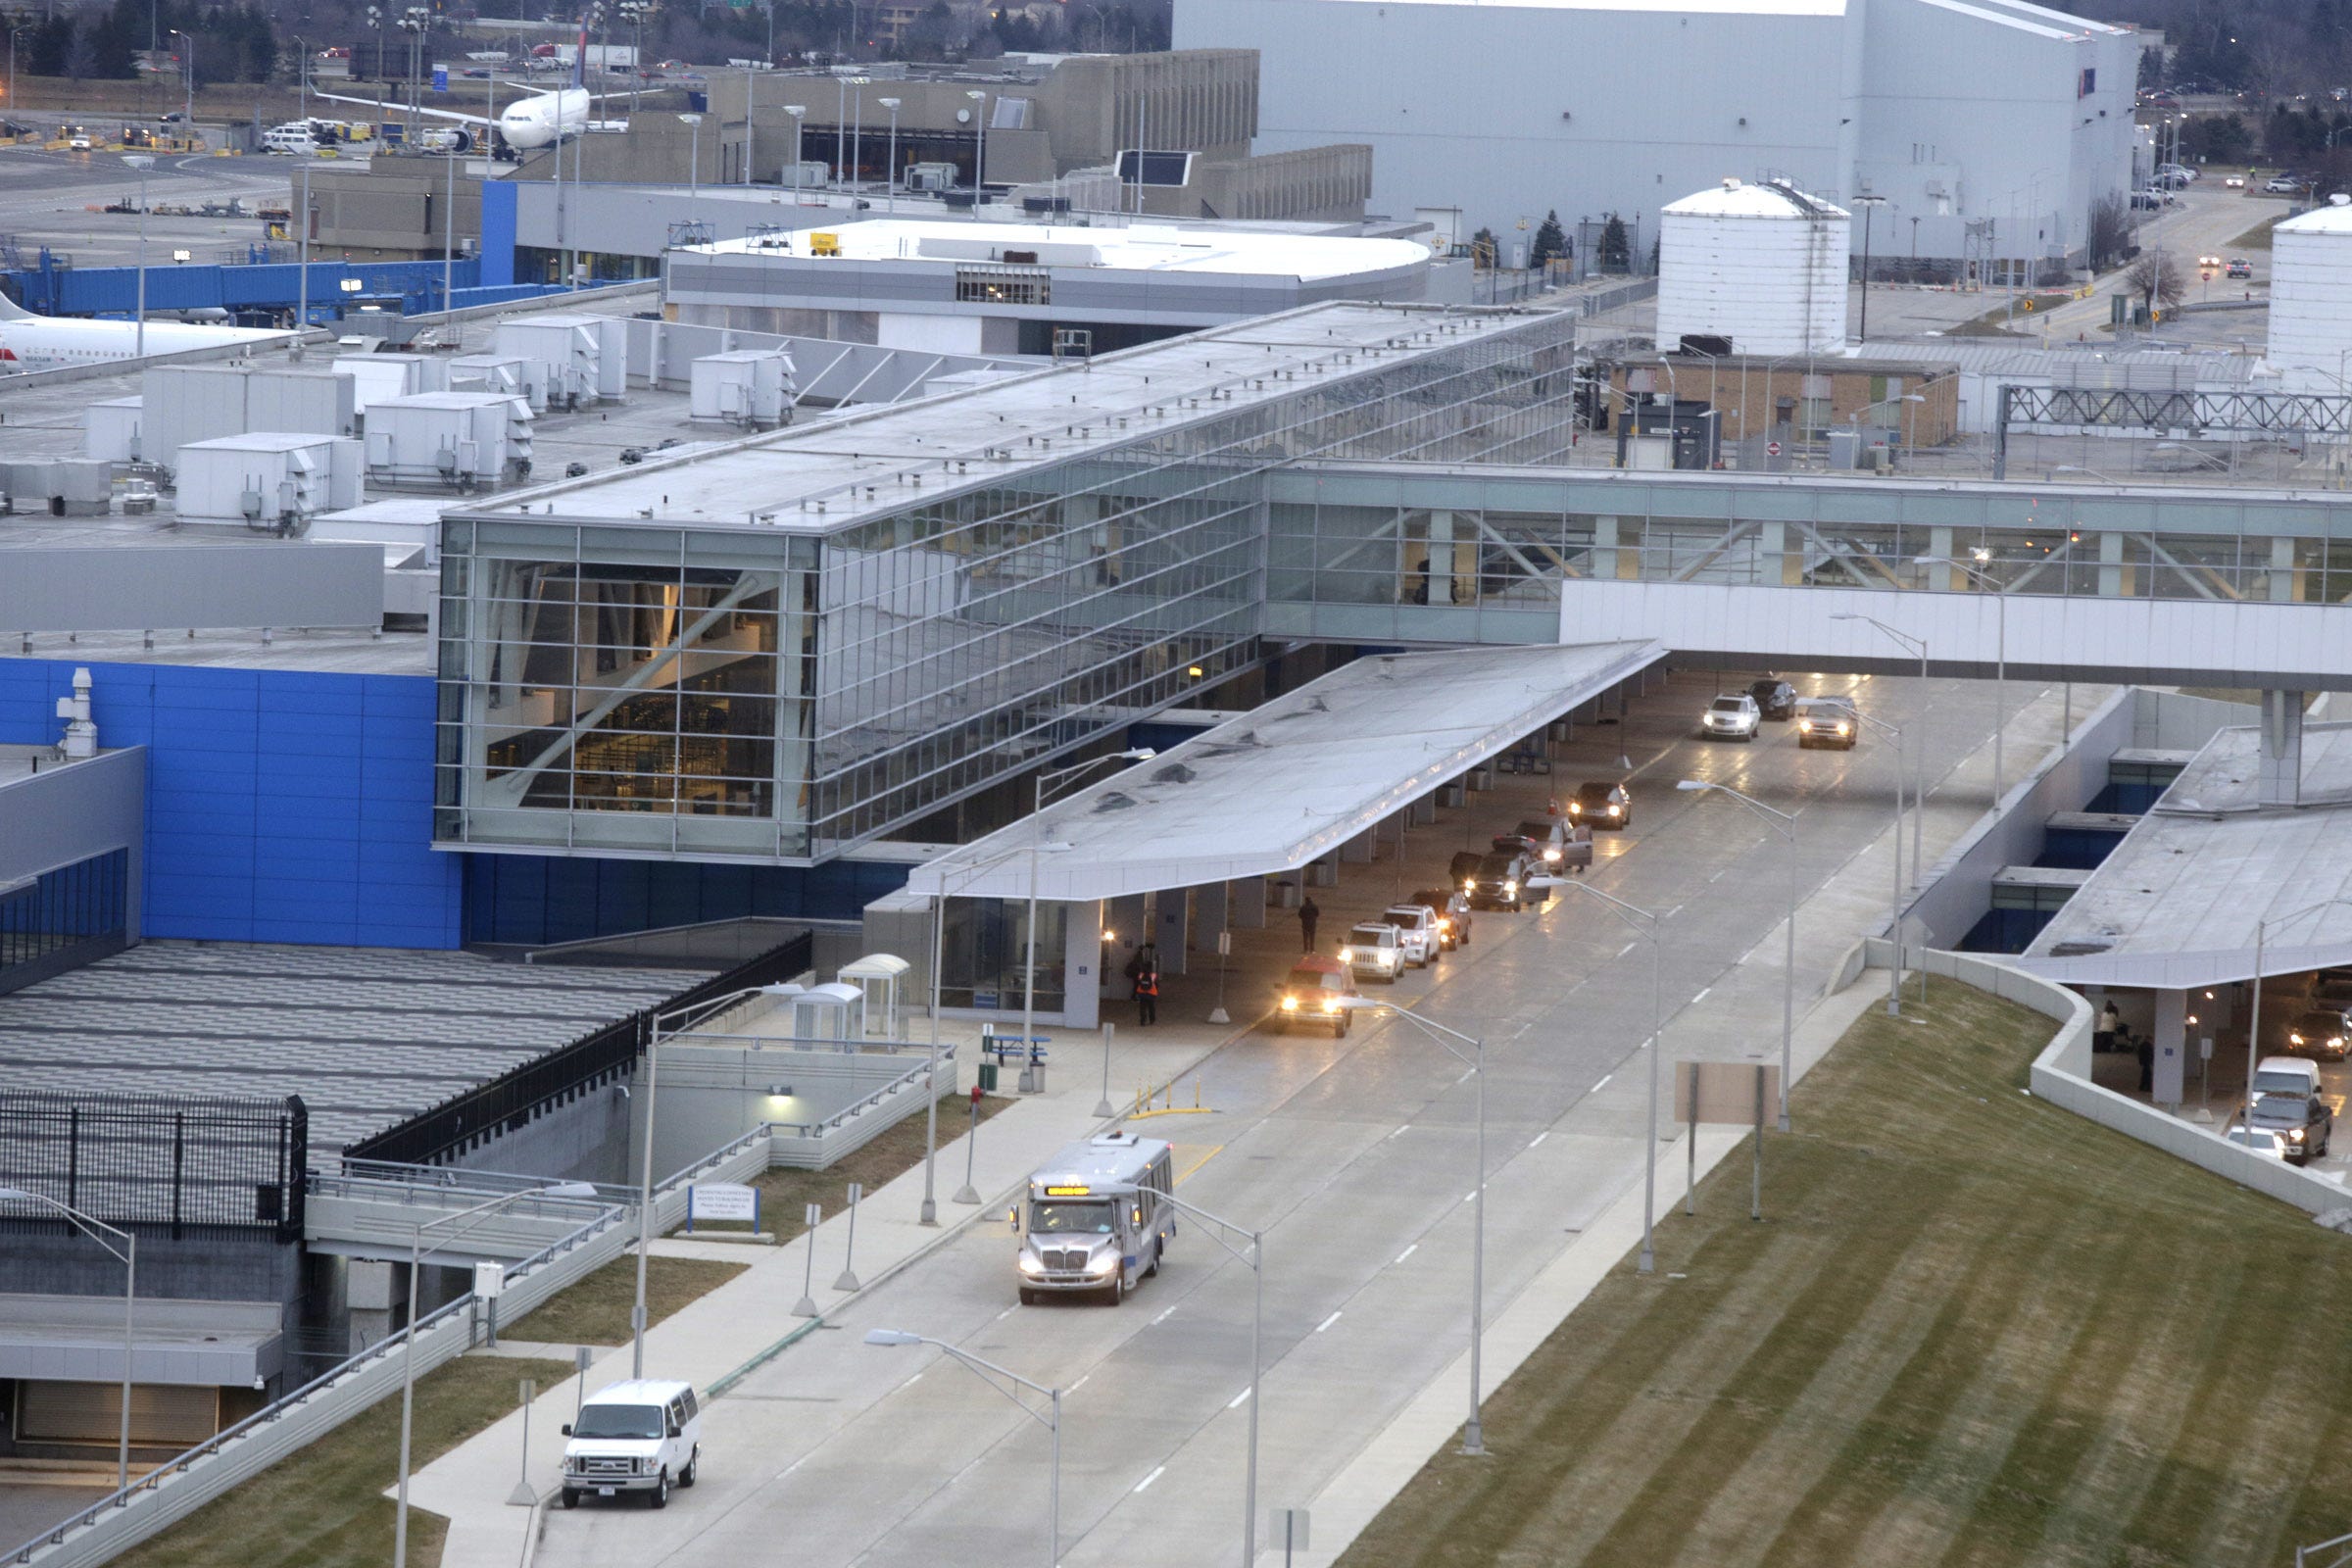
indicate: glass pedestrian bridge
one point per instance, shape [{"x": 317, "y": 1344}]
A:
[{"x": 779, "y": 648}]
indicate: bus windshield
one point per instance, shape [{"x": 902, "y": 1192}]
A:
[{"x": 1065, "y": 1217}]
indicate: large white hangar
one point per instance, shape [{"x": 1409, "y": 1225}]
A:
[{"x": 1989, "y": 128}]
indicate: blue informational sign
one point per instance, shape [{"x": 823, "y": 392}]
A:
[{"x": 440, "y": 78}]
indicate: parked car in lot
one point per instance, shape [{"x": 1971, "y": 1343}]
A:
[
  {"x": 2285, "y": 185},
  {"x": 1314, "y": 993},
  {"x": 1774, "y": 699},
  {"x": 1828, "y": 721},
  {"x": 641, "y": 1436},
  {"x": 1500, "y": 882},
  {"x": 1417, "y": 929},
  {"x": 1375, "y": 950},
  {"x": 2181, "y": 173},
  {"x": 2288, "y": 1103},
  {"x": 2320, "y": 1031},
  {"x": 1734, "y": 717},
  {"x": 1452, "y": 907},
  {"x": 1600, "y": 804},
  {"x": 2239, "y": 267}
]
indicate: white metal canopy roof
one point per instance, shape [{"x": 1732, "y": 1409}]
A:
[
  {"x": 2176, "y": 904},
  {"x": 1290, "y": 781}
]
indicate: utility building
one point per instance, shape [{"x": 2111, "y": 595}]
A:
[{"x": 1990, "y": 129}]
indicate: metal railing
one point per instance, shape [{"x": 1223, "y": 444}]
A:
[{"x": 906, "y": 1080}]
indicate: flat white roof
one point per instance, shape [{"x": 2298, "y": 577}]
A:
[
  {"x": 2175, "y": 904},
  {"x": 1686, "y": 8},
  {"x": 823, "y": 477},
  {"x": 1290, "y": 781},
  {"x": 1136, "y": 248}
]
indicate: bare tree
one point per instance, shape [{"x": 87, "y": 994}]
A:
[
  {"x": 2110, "y": 232},
  {"x": 2156, "y": 278}
]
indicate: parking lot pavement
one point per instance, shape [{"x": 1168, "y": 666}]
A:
[{"x": 1353, "y": 1155}]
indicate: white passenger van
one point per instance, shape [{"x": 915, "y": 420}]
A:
[
  {"x": 1093, "y": 1222},
  {"x": 642, "y": 1435}
]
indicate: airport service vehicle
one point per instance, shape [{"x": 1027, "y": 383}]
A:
[
  {"x": 1094, "y": 1223},
  {"x": 1417, "y": 929},
  {"x": 1828, "y": 721},
  {"x": 1500, "y": 881},
  {"x": 1776, "y": 698},
  {"x": 30, "y": 342},
  {"x": 549, "y": 115},
  {"x": 2320, "y": 1031},
  {"x": 289, "y": 141},
  {"x": 1599, "y": 805},
  {"x": 1313, "y": 992},
  {"x": 1733, "y": 716},
  {"x": 1375, "y": 949},
  {"x": 643, "y": 1436},
  {"x": 1451, "y": 907},
  {"x": 2288, "y": 1102}
]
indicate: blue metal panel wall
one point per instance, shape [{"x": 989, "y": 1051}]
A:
[
  {"x": 535, "y": 899},
  {"x": 498, "y": 232},
  {"x": 281, "y": 806},
  {"x": 114, "y": 290}
]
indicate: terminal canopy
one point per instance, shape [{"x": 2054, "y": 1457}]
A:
[{"x": 1290, "y": 781}]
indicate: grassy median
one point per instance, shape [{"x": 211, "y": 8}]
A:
[{"x": 1971, "y": 1329}]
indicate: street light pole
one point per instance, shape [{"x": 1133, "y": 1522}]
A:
[
  {"x": 1645, "y": 925},
  {"x": 979, "y": 147},
  {"x": 1919, "y": 756},
  {"x": 2254, "y": 1023},
  {"x": 1474, "y": 1433},
  {"x": 1785, "y": 823},
  {"x": 981, "y": 1369},
  {"x": 97, "y": 1230},
  {"x": 2000, "y": 679},
  {"x": 798, "y": 111},
  {"x": 1868, "y": 204},
  {"x": 693, "y": 155},
  {"x": 890, "y": 169},
  {"x": 142, "y": 162}
]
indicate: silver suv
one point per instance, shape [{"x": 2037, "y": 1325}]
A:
[{"x": 1733, "y": 716}]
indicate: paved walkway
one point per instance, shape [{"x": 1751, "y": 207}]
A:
[{"x": 747, "y": 1323}]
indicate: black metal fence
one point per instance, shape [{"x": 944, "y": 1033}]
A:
[
  {"x": 515, "y": 1099},
  {"x": 176, "y": 1164}
]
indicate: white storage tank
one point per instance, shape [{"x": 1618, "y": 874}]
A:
[
  {"x": 462, "y": 440},
  {"x": 574, "y": 361},
  {"x": 1760, "y": 267},
  {"x": 752, "y": 388},
  {"x": 110, "y": 429},
  {"x": 2311, "y": 297},
  {"x": 273, "y": 481}
]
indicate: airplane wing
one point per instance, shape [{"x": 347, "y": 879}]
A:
[{"x": 395, "y": 110}]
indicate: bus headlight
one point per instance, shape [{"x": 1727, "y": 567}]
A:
[
  {"x": 1103, "y": 1264},
  {"x": 1032, "y": 1264}
]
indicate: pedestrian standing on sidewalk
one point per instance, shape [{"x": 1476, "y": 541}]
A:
[
  {"x": 1146, "y": 984},
  {"x": 1308, "y": 914}
]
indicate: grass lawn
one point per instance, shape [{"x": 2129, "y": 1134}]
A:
[
  {"x": 1973, "y": 1330},
  {"x": 2257, "y": 238},
  {"x": 596, "y": 1310},
  {"x": 785, "y": 1195},
  {"x": 323, "y": 1507}
]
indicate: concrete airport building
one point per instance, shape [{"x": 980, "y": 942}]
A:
[{"x": 1989, "y": 129}]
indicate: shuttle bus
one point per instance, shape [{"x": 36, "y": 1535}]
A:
[{"x": 1094, "y": 1224}]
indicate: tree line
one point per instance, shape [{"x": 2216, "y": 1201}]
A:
[{"x": 238, "y": 42}]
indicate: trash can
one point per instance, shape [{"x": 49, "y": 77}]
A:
[{"x": 988, "y": 1077}]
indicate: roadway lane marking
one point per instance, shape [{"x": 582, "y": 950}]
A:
[
  {"x": 1213, "y": 1150},
  {"x": 1671, "y": 913},
  {"x": 1236, "y": 1402},
  {"x": 1408, "y": 1252},
  {"x": 1007, "y": 1312},
  {"x": 1327, "y": 1322},
  {"x": 1538, "y": 1138},
  {"x": 1702, "y": 996},
  {"x": 1079, "y": 1384},
  {"x": 1465, "y": 1077},
  {"x": 1163, "y": 1318},
  {"x": 1401, "y": 1131},
  {"x": 1627, "y": 948},
  {"x": 1153, "y": 1476},
  {"x": 1604, "y": 1081},
  {"x": 917, "y": 1378}
]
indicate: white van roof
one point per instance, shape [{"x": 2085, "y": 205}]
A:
[{"x": 639, "y": 1390}]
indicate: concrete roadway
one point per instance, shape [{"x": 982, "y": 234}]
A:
[{"x": 1356, "y": 1158}]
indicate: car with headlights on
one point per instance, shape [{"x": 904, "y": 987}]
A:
[
  {"x": 1374, "y": 950},
  {"x": 2320, "y": 1031},
  {"x": 1500, "y": 881},
  {"x": 1733, "y": 716},
  {"x": 1600, "y": 804},
  {"x": 1314, "y": 993},
  {"x": 1418, "y": 927},
  {"x": 1452, "y": 907},
  {"x": 1828, "y": 721},
  {"x": 2288, "y": 1102}
]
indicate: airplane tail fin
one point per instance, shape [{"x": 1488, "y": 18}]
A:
[
  {"x": 11, "y": 310},
  {"x": 579, "y": 59}
]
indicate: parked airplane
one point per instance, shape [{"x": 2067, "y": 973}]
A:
[
  {"x": 549, "y": 115},
  {"x": 30, "y": 342}
]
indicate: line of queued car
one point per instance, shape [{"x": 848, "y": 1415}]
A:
[{"x": 1833, "y": 720}]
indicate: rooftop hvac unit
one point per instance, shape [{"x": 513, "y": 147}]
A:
[
  {"x": 750, "y": 388},
  {"x": 268, "y": 480},
  {"x": 451, "y": 440}
]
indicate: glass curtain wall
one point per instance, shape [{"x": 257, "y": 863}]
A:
[
  {"x": 619, "y": 688},
  {"x": 64, "y": 918}
]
